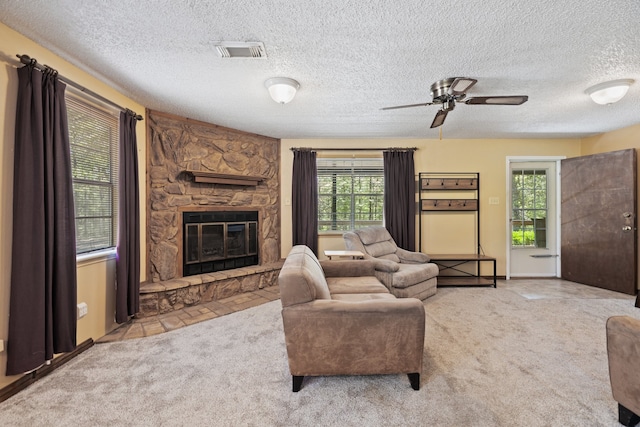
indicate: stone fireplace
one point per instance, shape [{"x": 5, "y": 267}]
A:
[{"x": 182, "y": 157}]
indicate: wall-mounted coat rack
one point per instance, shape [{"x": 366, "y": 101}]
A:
[
  {"x": 441, "y": 186},
  {"x": 449, "y": 204}
]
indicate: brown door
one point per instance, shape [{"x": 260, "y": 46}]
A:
[{"x": 598, "y": 225}]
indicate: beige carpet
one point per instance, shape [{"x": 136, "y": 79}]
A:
[{"x": 525, "y": 354}]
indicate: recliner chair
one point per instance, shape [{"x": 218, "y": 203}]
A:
[
  {"x": 406, "y": 274},
  {"x": 623, "y": 350}
]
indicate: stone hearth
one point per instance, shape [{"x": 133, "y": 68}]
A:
[{"x": 176, "y": 294}]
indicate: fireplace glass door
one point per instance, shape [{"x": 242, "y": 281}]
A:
[
  {"x": 236, "y": 239},
  {"x": 212, "y": 240},
  {"x": 219, "y": 241}
]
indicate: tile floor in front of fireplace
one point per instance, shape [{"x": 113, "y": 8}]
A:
[{"x": 153, "y": 325}]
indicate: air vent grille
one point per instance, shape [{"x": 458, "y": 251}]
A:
[{"x": 240, "y": 49}]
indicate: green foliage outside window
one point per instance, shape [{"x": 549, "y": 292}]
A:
[{"x": 529, "y": 204}]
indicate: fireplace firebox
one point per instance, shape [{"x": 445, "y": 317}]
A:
[{"x": 216, "y": 241}]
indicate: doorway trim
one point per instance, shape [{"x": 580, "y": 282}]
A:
[{"x": 526, "y": 159}]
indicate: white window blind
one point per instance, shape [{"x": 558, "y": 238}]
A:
[
  {"x": 350, "y": 193},
  {"x": 93, "y": 136}
]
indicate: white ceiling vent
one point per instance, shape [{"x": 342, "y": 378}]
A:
[{"x": 240, "y": 49}]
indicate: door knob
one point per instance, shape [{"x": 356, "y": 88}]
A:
[{"x": 626, "y": 228}]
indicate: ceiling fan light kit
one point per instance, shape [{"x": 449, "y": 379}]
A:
[
  {"x": 461, "y": 85},
  {"x": 609, "y": 92},
  {"x": 282, "y": 89},
  {"x": 448, "y": 91}
]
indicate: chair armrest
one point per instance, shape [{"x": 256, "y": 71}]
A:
[
  {"x": 348, "y": 268},
  {"x": 623, "y": 351},
  {"x": 330, "y": 337},
  {"x": 412, "y": 257},
  {"x": 385, "y": 265}
]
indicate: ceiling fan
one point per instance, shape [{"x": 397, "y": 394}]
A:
[{"x": 453, "y": 89}]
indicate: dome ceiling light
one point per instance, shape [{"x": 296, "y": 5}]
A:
[
  {"x": 609, "y": 92},
  {"x": 282, "y": 89}
]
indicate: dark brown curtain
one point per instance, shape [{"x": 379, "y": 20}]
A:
[
  {"x": 305, "y": 199},
  {"x": 399, "y": 197},
  {"x": 128, "y": 256},
  {"x": 42, "y": 318}
]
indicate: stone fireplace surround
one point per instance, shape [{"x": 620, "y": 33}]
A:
[{"x": 176, "y": 145}]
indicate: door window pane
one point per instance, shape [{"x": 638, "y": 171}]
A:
[{"x": 529, "y": 203}]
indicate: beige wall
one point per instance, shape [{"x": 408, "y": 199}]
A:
[
  {"x": 620, "y": 139},
  {"x": 96, "y": 277},
  {"x": 455, "y": 232}
]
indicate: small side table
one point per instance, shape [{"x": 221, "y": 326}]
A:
[{"x": 344, "y": 254}]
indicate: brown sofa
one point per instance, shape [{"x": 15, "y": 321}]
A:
[
  {"x": 404, "y": 273},
  {"x": 340, "y": 320},
  {"x": 623, "y": 350}
]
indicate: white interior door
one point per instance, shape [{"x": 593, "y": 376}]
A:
[{"x": 533, "y": 231}]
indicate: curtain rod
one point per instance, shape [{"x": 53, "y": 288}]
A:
[
  {"x": 355, "y": 149},
  {"x": 25, "y": 59}
]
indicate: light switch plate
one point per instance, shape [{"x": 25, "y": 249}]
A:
[{"x": 494, "y": 201}]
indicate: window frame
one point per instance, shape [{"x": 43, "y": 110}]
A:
[
  {"x": 353, "y": 167},
  {"x": 110, "y": 116}
]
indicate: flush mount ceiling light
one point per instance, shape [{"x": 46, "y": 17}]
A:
[
  {"x": 609, "y": 92},
  {"x": 282, "y": 89}
]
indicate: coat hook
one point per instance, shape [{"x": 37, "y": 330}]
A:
[
  {"x": 449, "y": 202},
  {"x": 457, "y": 180},
  {"x": 435, "y": 203},
  {"x": 442, "y": 182}
]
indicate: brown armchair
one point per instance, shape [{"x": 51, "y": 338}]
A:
[
  {"x": 623, "y": 350},
  {"x": 340, "y": 320}
]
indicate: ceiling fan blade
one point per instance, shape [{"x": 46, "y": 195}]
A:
[
  {"x": 407, "y": 106},
  {"x": 460, "y": 85},
  {"x": 438, "y": 120},
  {"x": 497, "y": 100}
]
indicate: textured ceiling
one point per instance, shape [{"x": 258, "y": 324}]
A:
[{"x": 353, "y": 58}]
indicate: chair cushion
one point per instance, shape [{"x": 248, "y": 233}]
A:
[
  {"x": 373, "y": 234},
  {"x": 353, "y": 285},
  {"x": 380, "y": 249},
  {"x": 362, "y": 297},
  {"x": 410, "y": 274}
]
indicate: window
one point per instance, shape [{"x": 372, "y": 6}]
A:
[
  {"x": 93, "y": 137},
  {"x": 529, "y": 193},
  {"x": 350, "y": 193}
]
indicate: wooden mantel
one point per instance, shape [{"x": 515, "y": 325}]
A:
[{"x": 221, "y": 178}]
